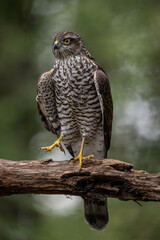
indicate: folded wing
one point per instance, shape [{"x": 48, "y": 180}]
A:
[{"x": 104, "y": 93}]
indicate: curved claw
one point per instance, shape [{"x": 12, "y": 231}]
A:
[
  {"x": 60, "y": 146},
  {"x": 71, "y": 160},
  {"x": 79, "y": 171}
]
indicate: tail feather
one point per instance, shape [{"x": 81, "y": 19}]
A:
[{"x": 96, "y": 213}]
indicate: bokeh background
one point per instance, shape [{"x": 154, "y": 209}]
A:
[{"x": 124, "y": 37}]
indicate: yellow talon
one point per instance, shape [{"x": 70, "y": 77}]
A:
[
  {"x": 57, "y": 143},
  {"x": 80, "y": 156}
]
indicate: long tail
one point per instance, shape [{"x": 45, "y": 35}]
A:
[{"x": 96, "y": 213}]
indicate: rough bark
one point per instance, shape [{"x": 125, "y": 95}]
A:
[{"x": 99, "y": 177}]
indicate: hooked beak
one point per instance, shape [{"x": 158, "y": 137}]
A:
[{"x": 56, "y": 45}]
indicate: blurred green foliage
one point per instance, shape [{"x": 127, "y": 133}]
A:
[{"x": 124, "y": 37}]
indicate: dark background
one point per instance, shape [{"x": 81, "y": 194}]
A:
[{"x": 124, "y": 38}]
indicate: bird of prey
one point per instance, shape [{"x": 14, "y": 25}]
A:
[{"x": 75, "y": 103}]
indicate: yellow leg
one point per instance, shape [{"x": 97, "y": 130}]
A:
[
  {"x": 57, "y": 143},
  {"x": 80, "y": 155}
]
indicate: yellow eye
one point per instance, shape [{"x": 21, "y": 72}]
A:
[{"x": 67, "y": 41}]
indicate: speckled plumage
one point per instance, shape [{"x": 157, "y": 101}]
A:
[{"x": 74, "y": 101}]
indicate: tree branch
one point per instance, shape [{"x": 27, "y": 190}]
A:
[{"x": 99, "y": 177}]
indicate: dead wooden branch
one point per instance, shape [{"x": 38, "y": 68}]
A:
[{"x": 99, "y": 177}]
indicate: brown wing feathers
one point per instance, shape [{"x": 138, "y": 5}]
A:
[{"x": 104, "y": 92}]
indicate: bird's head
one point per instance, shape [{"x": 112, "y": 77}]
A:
[{"x": 66, "y": 44}]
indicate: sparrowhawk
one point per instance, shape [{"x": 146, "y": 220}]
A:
[{"x": 75, "y": 103}]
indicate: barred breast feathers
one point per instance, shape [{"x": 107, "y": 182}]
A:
[{"x": 76, "y": 97}]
